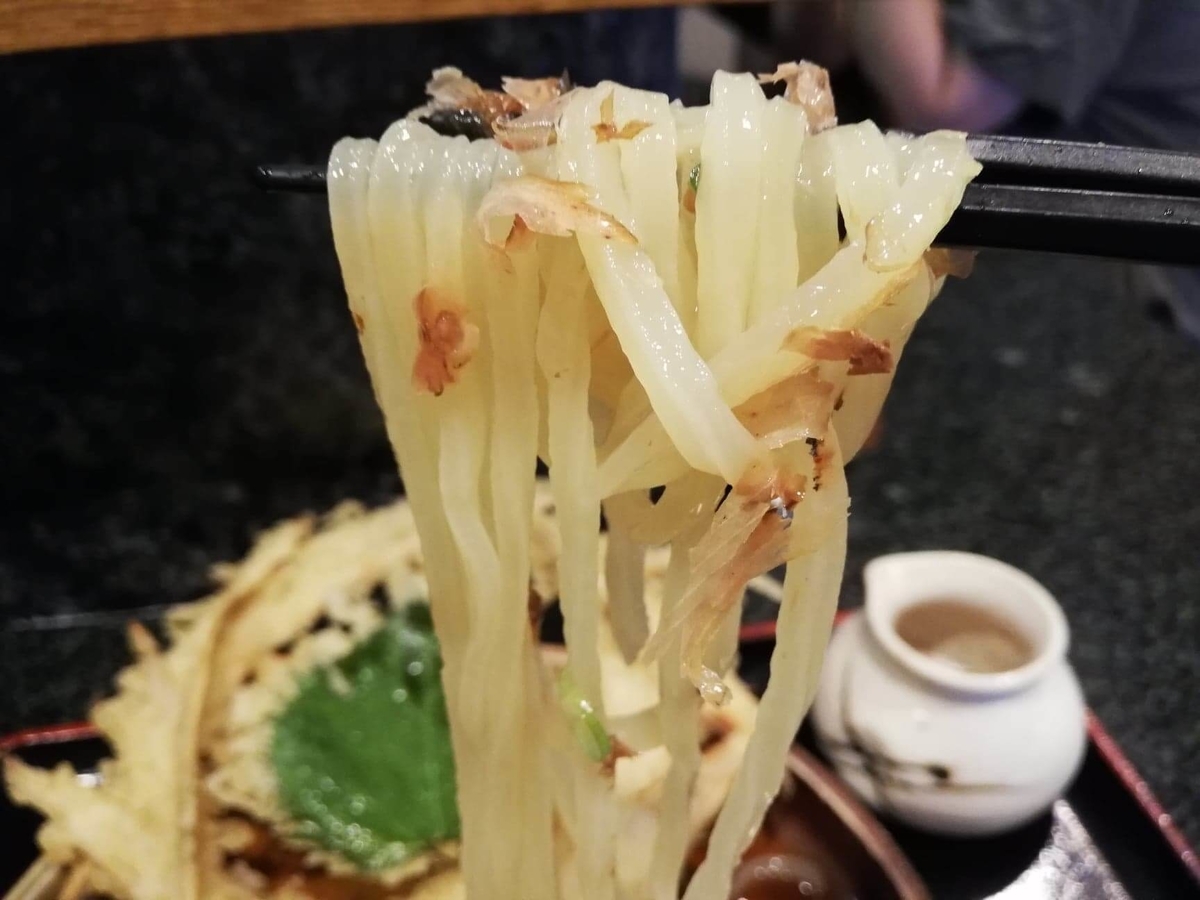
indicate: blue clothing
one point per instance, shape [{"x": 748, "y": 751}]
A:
[{"x": 1116, "y": 71}]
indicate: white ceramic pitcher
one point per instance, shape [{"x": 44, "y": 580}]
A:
[{"x": 948, "y": 750}]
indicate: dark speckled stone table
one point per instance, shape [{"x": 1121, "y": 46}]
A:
[{"x": 177, "y": 371}]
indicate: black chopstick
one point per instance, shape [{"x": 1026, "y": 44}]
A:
[
  {"x": 1036, "y": 162},
  {"x": 1149, "y": 228},
  {"x": 295, "y": 179},
  {"x": 1037, "y": 195}
]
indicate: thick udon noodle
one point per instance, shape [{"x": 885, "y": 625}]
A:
[{"x": 565, "y": 302}]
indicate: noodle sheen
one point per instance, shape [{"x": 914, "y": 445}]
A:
[{"x": 651, "y": 296}]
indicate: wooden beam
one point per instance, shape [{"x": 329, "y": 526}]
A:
[{"x": 44, "y": 24}]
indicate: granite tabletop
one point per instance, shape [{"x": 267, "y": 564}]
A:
[{"x": 178, "y": 371}]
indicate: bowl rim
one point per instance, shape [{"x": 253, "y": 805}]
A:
[{"x": 860, "y": 821}]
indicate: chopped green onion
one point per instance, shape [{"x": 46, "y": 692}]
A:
[
  {"x": 585, "y": 724},
  {"x": 694, "y": 179}
]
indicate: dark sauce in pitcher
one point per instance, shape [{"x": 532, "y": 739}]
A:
[{"x": 968, "y": 637}]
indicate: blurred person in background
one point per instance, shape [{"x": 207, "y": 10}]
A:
[{"x": 1114, "y": 71}]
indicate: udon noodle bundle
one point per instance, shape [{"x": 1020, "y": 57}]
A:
[{"x": 660, "y": 304}]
